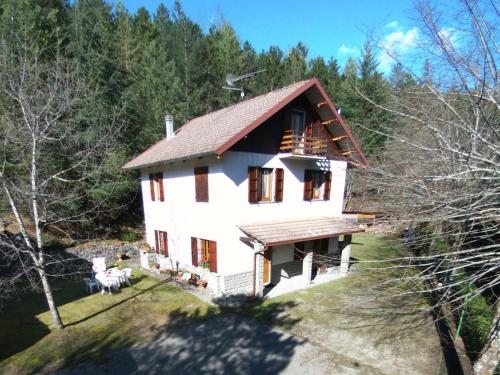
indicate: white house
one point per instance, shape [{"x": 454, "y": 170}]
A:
[{"x": 252, "y": 194}]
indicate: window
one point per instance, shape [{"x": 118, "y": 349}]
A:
[
  {"x": 204, "y": 253},
  {"x": 317, "y": 185},
  {"x": 156, "y": 186},
  {"x": 201, "y": 184},
  {"x": 260, "y": 185},
  {"x": 161, "y": 242}
]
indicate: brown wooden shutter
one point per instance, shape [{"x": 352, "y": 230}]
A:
[
  {"x": 212, "y": 255},
  {"x": 308, "y": 185},
  {"x": 160, "y": 186},
  {"x": 152, "y": 186},
  {"x": 194, "y": 252},
  {"x": 157, "y": 242},
  {"x": 165, "y": 243},
  {"x": 201, "y": 184},
  {"x": 253, "y": 184},
  {"x": 328, "y": 185},
  {"x": 280, "y": 174}
]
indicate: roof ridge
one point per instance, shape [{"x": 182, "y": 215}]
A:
[{"x": 248, "y": 100}]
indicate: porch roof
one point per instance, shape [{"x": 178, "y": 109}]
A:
[{"x": 298, "y": 230}]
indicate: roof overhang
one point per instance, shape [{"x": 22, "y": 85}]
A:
[
  {"x": 169, "y": 161},
  {"x": 316, "y": 94},
  {"x": 274, "y": 233}
]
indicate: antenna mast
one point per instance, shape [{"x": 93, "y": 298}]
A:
[{"x": 231, "y": 80}]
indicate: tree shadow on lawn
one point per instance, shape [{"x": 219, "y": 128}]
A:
[
  {"x": 22, "y": 329},
  {"x": 199, "y": 342},
  {"x": 389, "y": 318}
]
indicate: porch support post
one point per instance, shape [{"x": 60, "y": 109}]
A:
[
  {"x": 345, "y": 255},
  {"x": 307, "y": 268},
  {"x": 259, "y": 269}
]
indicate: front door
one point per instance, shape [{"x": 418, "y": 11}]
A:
[{"x": 267, "y": 266}]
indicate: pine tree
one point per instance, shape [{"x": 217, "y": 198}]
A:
[{"x": 295, "y": 65}]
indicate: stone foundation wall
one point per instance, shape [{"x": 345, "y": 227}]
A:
[
  {"x": 107, "y": 251},
  {"x": 238, "y": 283}
]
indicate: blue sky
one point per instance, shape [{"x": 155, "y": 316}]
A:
[{"x": 328, "y": 28}]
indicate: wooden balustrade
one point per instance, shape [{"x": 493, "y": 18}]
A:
[{"x": 302, "y": 145}]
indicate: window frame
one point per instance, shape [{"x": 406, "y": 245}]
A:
[
  {"x": 161, "y": 242},
  {"x": 265, "y": 194},
  {"x": 302, "y": 130}
]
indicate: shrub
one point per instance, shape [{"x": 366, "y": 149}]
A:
[
  {"x": 478, "y": 316},
  {"x": 130, "y": 236}
]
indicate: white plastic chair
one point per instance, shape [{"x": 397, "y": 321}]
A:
[
  {"x": 99, "y": 264},
  {"x": 91, "y": 284}
]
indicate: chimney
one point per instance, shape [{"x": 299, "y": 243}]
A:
[{"x": 169, "y": 126}]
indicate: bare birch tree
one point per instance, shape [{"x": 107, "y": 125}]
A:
[
  {"x": 439, "y": 172},
  {"x": 51, "y": 157}
]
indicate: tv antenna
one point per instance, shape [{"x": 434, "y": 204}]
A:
[{"x": 231, "y": 80}]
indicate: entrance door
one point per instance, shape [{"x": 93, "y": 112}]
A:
[{"x": 267, "y": 266}]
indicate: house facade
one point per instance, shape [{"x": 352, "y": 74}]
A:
[{"x": 252, "y": 194}]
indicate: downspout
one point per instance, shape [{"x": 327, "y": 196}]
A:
[{"x": 260, "y": 251}]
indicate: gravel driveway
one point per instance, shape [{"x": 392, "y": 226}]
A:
[{"x": 225, "y": 344}]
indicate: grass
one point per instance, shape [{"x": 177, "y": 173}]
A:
[
  {"x": 343, "y": 317},
  {"x": 95, "y": 324},
  {"x": 317, "y": 303}
]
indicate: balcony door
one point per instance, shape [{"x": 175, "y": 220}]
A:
[{"x": 298, "y": 128}]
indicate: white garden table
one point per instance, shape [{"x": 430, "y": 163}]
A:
[{"x": 110, "y": 279}]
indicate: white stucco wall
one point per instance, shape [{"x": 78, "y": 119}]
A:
[{"x": 182, "y": 217}]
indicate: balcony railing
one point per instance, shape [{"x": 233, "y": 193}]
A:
[{"x": 299, "y": 144}]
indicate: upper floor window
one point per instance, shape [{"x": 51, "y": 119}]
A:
[
  {"x": 156, "y": 186},
  {"x": 161, "y": 242},
  {"x": 201, "y": 184},
  {"x": 260, "y": 184},
  {"x": 317, "y": 185}
]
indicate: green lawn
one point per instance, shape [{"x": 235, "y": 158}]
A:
[{"x": 94, "y": 323}]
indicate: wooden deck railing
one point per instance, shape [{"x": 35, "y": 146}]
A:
[{"x": 301, "y": 145}]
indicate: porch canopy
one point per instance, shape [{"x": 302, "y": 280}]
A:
[{"x": 274, "y": 233}]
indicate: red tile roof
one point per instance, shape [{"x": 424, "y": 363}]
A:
[{"x": 214, "y": 133}]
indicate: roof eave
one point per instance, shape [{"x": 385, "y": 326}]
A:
[
  {"x": 245, "y": 131},
  {"x": 168, "y": 161}
]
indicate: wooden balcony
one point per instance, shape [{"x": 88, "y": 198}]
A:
[{"x": 298, "y": 144}]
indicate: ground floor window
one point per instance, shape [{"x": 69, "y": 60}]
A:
[
  {"x": 161, "y": 242},
  {"x": 204, "y": 253}
]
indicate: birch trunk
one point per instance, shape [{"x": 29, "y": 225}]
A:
[
  {"x": 489, "y": 358},
  {"x": 47, "y": 289}
]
